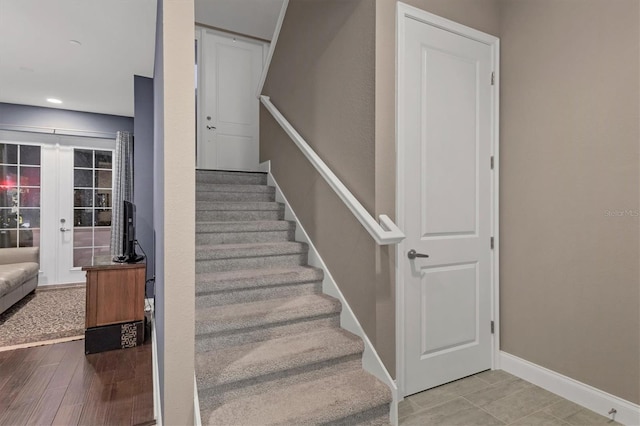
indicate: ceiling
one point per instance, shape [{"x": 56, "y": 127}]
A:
[
  {"x": 39, "y": 61},
  {"x": 255, "y": 18}
]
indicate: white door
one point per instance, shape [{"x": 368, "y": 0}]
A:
[
  {"x": 55, "y": 193},
  {"x": 446, "y": 117},
  {"x": 230, "y": 70}
]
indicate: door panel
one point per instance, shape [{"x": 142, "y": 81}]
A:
[
  {"x": 447, "y": 126},
  {"x": 229, "y": 118}
]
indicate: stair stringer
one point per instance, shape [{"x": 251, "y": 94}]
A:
[{"x": 371, "y": 362}]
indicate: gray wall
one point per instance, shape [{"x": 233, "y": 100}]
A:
[
  {"x": 570, "y": 298},
  {"x": 322, "y": 79},
  {"x": 73, "y": 123},
  {"x": 143, "y": 170}
]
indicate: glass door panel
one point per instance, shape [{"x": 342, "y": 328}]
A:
[
  {"x": 92, "y": 189},
  {"x": 19, "y": 195}
]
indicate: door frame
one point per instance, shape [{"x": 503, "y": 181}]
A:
[
  {"x": 406, "y": 11},
  {"x": 199, "y": 71}
]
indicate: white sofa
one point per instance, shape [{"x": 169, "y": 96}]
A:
[{"x": 19, "y": 268}]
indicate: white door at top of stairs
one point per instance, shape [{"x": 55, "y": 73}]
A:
[
  {"x": 446, "y": 96},
  {"x": 229, "y": 69}
]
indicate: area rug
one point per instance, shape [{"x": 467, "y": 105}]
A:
[{"x": 43, "y": 316}]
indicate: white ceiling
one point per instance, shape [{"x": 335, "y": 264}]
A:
[
  {"x": 256, "y": 18},
  {"x": 38, "y": 61}
]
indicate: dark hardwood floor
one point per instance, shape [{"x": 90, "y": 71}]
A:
[{"x": 58, "y": 384}]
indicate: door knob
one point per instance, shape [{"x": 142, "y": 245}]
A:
[
  {"x": 412, "y": 254},
  {"x": 211, "y": 127},
  {"x": 62, "y": 228}
]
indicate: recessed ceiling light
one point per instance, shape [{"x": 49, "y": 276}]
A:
[
  {"x": 75, "y": 42},
  {"x": 54, "y": 100}
]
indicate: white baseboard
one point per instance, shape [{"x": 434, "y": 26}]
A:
[
  {"x": 580, "y": 393},
  {"x": 157, "y": 401},
  {"x": 371, "y": 362},
  {"x": 196, "y": 403}
]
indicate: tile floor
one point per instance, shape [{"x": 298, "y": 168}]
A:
[{"x": 493, "y": 398}]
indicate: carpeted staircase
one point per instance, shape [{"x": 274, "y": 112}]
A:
[{"x": 269, "y": 347}]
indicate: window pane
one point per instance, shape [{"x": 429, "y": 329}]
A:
[
  {"x": 29, "y": 154},
  {"x": 82, "y": 158},
  {"x": 30, "y": 197},
  {"x": 82, "y": 237},
  {"x": 30, "y": 176},
  {"x": 29, "y": 237},
  {"x": 103, "y": 179},
  {"x": 103, "y": 160},
  {"x": 8, "y": 219},
  {"x": 8, "y": 239},
  {"x": 83, "y": 178},
  {"x": 83, "y": 198},
  {"x": 103, "y": 198},
  {"x": 83, "y": 217},
  {"x": 8, "y": 197},
  {"x": 102, "y": 236},
  {"x": 8, "y": 176},
  {"x": 101, "y": 251},
  {"x": 30, "y": 218},
  {"x": 82, "y": 257},
  {"x": 8, "y": 153},
  {"x": 103, "y": 217}
]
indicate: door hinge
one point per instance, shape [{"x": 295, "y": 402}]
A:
[
  {"x": 491, "y": 243},
  {"x": 493, "y": 328},
  {"x": 493, "y": 78},
  {"x": 492, "y": 162}
]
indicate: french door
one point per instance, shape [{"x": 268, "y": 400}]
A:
[{"x": 56, "y": 193}]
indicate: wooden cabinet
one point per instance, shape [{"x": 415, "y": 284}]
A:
[{"x": 115, "y": 293}]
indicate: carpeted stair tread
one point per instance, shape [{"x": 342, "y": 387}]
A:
[
  {"x": 224, "y": 187},
  {"x": 275, "y": 356},
  {"x": 264, "y": 313},
  {"x": 238, "y": 206},
  {"x": 229, "y": 177},
  {"x": 245, "y": 226},
  {"x": 328, "y": 399},
  {"x": 236, "y": 251},
  {"x": 252, "y": 278}
]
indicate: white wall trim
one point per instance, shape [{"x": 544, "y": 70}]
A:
[
  {"x": 196, "y": 402},
  {"x": 589, "y": 397},
  {"x": 272, "y": 47},
  {"x": 371, "y": 362},
  {"x": 157, "y": 400},
  {"x": 406, "y": 11}
]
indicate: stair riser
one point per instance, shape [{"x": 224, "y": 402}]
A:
[
  {"x": 243, "y": 237},
  {"x": 234, "y": 196},
  {"x": 205, "y": 342},
  {"x": 210, "y": 385},
  {"x": 255, "y": 294},
  {"x": 212, "y": 398},
  {"x": 208, "y": 284},
  {"x": 232, "y": 178},
  {"x": 377, "y": 416},
  {"x": 220, "y": 265},
  {"x": 238, "y": 216}
]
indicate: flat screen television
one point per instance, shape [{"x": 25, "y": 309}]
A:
[{"x": 129, "y": 234}]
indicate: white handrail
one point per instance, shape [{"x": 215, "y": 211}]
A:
[{"x": 384, "y": 233}]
